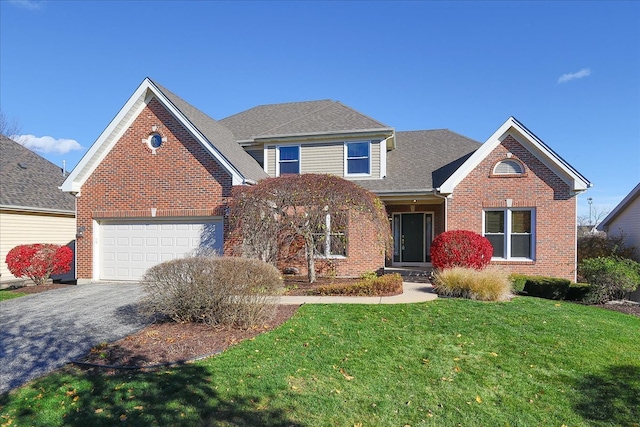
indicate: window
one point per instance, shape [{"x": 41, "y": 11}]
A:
[
  {"x": 358, "y": 158},
  {"x": 510, "y": 232},
  {"x": 331, "y": 238},
  {"x": 288, "y": 160},
  {"x": 508, "y": 167}
]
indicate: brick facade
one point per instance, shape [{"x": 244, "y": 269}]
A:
[
  {"x": 539, "y": 188},
  {"x": 180, "y": 180}
]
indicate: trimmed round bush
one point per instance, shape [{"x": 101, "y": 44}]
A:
[
  {"x": 461, "y": 248},
  {"x": 226, "y": 291},
  {"x": 39, "y": 261}
]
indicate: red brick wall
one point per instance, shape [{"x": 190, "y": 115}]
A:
[
  {"x": 181, "y": 179},
  {"x": 539, "y": 188}
]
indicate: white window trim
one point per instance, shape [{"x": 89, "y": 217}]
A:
[
  {"x": 278, "y": 158},
  {"x": 327, "y": 242},
  {"x": 346, "y": 160},
  {"x": 507, "y": 233}
]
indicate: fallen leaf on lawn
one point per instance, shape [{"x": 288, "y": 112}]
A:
[
  {"x": 123, "y": 417},
  {"x": 345, "y": 375},
  {"x": 494, "y": 354},
  {"x": 457, "y": 369},
  {"x": 98, "y": 411},
  {"x": 478, "y": 399},
  {"x": 139, "y": 408}
]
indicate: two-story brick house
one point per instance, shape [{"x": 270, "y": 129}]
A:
[{"x": 155, "y": 183}]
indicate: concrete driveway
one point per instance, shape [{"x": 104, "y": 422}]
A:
[{"x": 41, "y": 332}]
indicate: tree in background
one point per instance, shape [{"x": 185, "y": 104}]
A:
[
  {"x": 8, "y": 128},
  {"x": 309, "y": 209}
]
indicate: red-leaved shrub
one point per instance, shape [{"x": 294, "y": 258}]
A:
[
  {"x": 461, "y": 248},
  {"x": 38, "y": 261}
]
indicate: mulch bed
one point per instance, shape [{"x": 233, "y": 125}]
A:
[{"x": 167, "y": 343}]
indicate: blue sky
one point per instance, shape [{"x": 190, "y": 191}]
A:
[{"x": 569, "y": 71}]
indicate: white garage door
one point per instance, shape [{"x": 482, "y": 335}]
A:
[{"x": 128, "y": 249}]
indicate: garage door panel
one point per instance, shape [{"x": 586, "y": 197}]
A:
[{"x": 127, "y": 250}]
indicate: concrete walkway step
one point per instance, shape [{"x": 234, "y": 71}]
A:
[{"x": 413, "y": 292}]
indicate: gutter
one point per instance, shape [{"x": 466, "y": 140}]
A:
[
  {"x": 446, "y": 207},
  {"x": 36, "y": 210}
]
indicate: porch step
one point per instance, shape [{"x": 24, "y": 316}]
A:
[{"x": 412, "y": 274}]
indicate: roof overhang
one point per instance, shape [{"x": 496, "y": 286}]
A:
[
  {"x": 524, "y": 136},
  {"x": 629, "y": 198},
  {"x": 119, "y": 125},
  {"x": 387, "y": 134},
  {"x": 36, "y": 210}
]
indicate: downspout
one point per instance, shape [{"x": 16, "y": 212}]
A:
[{"x": 446, "y": 208}]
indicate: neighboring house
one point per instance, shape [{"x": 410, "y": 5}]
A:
[
  {"x": 625, "y": 219},
  {"x": 32, "y": 207},
  {"x": 156, "y": 182}
]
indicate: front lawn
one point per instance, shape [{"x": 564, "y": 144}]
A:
[{"x": 529, "y": 362}]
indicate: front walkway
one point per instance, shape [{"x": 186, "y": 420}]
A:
[{"x": 413, "y": 292}]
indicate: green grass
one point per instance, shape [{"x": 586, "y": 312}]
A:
[
  {"x": 529, "y": 362},
  {"x": 5, "y": 295}
]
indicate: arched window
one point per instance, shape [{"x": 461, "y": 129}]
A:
[{"x": 508, "y": 167}]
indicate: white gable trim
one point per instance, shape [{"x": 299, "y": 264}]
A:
[
  {"x": 546, "y": 155},
  {"x": 125, "y": 117}
]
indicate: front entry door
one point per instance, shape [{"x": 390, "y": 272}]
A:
[{"x": 412, "y": 235}]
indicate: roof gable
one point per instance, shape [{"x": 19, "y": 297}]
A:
[
  {"x": 528, "y": 140},
  {"x": 300, "y": 118},
  {"x": 30, "y": 182},
  {"x": 214, "y": 137},
  {"x": 632, "y": 197}
]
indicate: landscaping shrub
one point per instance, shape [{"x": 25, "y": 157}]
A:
[
  {"x": 368, "y": 285},
  {"x": 229, "y": 291},
  {"x": 518, "y": 281},
  {"x": 485, "y": 285},
  {"x": 578, "y": 292},
  {"x": 546, "y": 287},
  {"x": 598, "y": 245},
  {"x": 461, "y": 248},
  {"x": 39, "y": 261},
  {"x": 611, "y": 277}
]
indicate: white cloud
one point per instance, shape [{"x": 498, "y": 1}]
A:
[
  {"x": 47, "y": 144},
  {"x": 585, "y": 72},
  {"x": 28, "y": 4}
]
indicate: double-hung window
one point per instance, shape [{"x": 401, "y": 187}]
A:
[
  {"x": 511, "y": 232},
  {"x": 331, "y": 238},
  {"x": 358, "y": 158},
  {"x": 288, "y": 160}
]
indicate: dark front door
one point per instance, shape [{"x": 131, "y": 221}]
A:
[{"x": 412, "y": 237}]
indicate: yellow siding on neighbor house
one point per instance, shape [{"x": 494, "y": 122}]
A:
[
  {"x": 17, "y": 228},
  {"x": 326, "y": 157}
]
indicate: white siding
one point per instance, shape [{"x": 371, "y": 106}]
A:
[
  {"x": 628, "y": 222},
  {"x": 24, "y": 228}
]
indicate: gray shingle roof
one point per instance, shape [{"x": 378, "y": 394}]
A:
[
  {"x": 30, "y": 181},
  {"x": 422, "y": 160},
  {"x": 299, "y": 118},
  {"x": 219, "y": 136}
]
